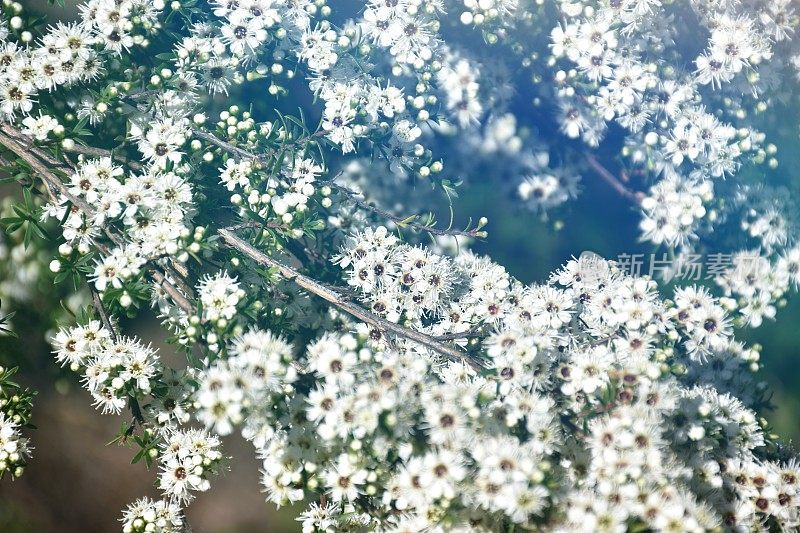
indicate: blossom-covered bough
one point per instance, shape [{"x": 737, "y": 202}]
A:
[{"x": 389, "y": 385}]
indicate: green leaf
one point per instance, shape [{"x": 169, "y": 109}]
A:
[{"x": 138, "y": 456}]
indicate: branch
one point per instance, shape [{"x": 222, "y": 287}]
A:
[
  {"x": 253, "y": 224},
  {"x": 634, "y": 196},
  {"x": 44, "y": 165},
  {"x": 101, "y": 310},
  {"x": 401, "y": 222},
  {"x": 470, "y": 334},
  {"x": 244, "y": 154},
  {"x": 173, "y": 292},
  {"x": 101, "y": 152},
  {"x": 14, "y": 141},
  {"x": 333, "y": 297}
]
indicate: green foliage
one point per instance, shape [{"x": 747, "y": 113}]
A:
[
  {"x": 25, "y": 217},
  {"x": 15, "y": 406},
  {"x": 15, "y": 400}
]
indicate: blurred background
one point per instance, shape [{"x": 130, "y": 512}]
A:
[{"x": 75, "y": 482}]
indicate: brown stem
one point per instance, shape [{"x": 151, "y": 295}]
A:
[
  {"x": 244, "y": 154},
  {"x": 401, "y": 221},
  {"x": 173, "y": 292},
  {"x": 634, "y": 196},
  {"x": 101, "y": 152},
  {"x": 250, "y": 224},
  {"x": 101, "y": 310},
  {"x": 597, "y": 411},
  {"x": 471, "y": 334},
  {"x": 333, "y": 297},
  {"x": 187, "y": 527}
]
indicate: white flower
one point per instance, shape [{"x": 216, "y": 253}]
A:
[
  {"x": 244, "y": 35},
  {"x": 157, "y": 516},
  {"x": 39, "y": 128},
  {"x": 219, "y": 295},
  {"x": 344, "y": 479}
]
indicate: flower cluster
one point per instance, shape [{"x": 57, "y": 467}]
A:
[
  {"x": 459, "y": 81},
  {"x": 401, "y": 280},
  {"x": 14, "y": 450},
  {"x": 150, "y": 208},
  {"x": 672, "y": 210},
  {"x": 435, "y": 392},
  {"x": 148, "y": 516},
  {"x": 113, "y": 368},
  {"x": 262, "y": 193},
  {"x": 186, "y": 459},
  {"x": 219, "y": 295},
  {"x": 445, "y": 297},
  {"x": 70, "y": 53},
  {"x": 40, "y": 127},
  {"x": 756, "y": 283},
  {"x": 684, "y": 144},
  {"x": 15, "y": 412},
  {"x": 547, "y": 189},
  {"x": 767, "y": 488},
  {"x": 702, "y": 320},
  {"x": 765, "y": 216},
  {"x": 257, "y": 366},
  {"x": 733, "y": 45},
  {"x": 591, "y": 405},
  {"x": 406, "y": 29}
]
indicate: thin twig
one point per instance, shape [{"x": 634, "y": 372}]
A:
[
  {"x": 604, "y": 340},
  {"x": 244, "y": 154},
  {"x": 332, "y": 296},
  {"x": 611, "y": 179},
  {"x": 91, "y": 151},
  {"x": 401, "y": 222},
  {"x": 228, "y": 147},
  {"x": 173, "y": 292},
  {"x": 101, "y": 310},
  {"x": 470, "y": 334},
  {"x": 187, "y": 527},
  {"x": 178, "y": 274},
  {"x": 136, "y": 411},
  {"x": 253, "y": 224},
  {"x": 597, "y": 411}
]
